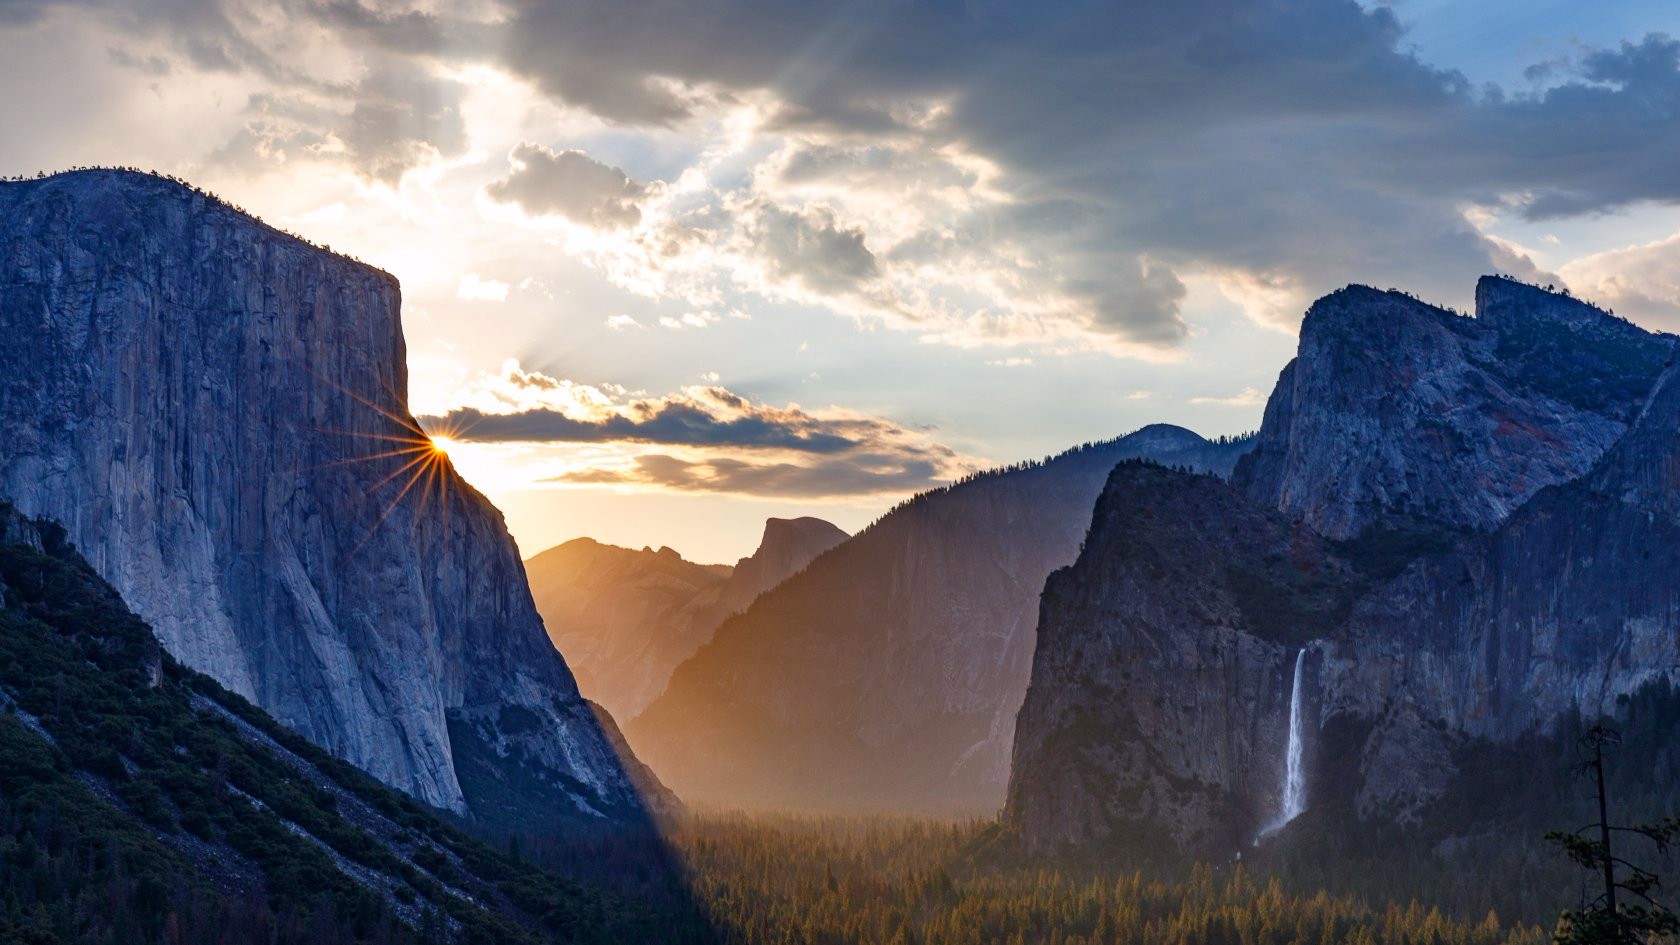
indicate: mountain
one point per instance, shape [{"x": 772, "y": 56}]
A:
[
  {"x": 1426, "y": 686},
  {"x": 625, "y": 619},
  {"x": 616, "y": 614},
  {"x": 887, "y": 674},
  {"x": 786, "y": 548},
  {"x": 215, "y": 411},
  {"x": 144, "y": 802},
  {"x": 1398, "y": 414},
  {"x": 1157, "y": 711}
]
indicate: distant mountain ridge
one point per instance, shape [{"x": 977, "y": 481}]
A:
[
  {"x": 1462, "y": 531},
  {"x": 216, "y": 413},
  {"x": 887, "y": 674},
  {"x": 625, "y": 619}
]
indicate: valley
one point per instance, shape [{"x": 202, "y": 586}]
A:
[{"x": 272, "y": 670}]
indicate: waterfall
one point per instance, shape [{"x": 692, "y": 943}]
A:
[{"x": 1294, "y": 799}]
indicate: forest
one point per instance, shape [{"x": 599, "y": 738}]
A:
[{"x": 796, "y": 881}]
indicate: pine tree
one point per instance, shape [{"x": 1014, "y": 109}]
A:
[{"x": 1612, "y": 918}]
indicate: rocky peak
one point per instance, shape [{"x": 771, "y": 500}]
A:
[
  {"x": 1395, "y": 412},
  {"x": 788, "y": 545},
  {"x": 1503, "y": 303}
]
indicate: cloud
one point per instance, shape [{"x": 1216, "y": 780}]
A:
[
  {"x": 1247, "y": 397},
  {"x": 701, "y": 438},
  {"x": 688, "y": 320},
  {"x": 808, "y": 251},
  {"x": 1297, "y": 142},
  {"x": 691, "y": 419},
  {"x": 1039, "y": 174},
  {"x": 623, "y": 323},
  {"x": 1641, "y": 281},
  {"x": 819, "y": 480},
  {"x": 475, "y": 289},
  {"x": 570, "y": 184}
]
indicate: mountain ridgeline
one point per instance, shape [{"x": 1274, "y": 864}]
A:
[
  {"x": 215, "y": 412},
  {"x": 625, "y": 619},
  {"x": 1464, "y": 533},
  {"x": 887, "y": 674}
]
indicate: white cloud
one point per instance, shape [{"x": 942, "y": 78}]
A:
[
  {"x": 623, "y": 323},
  {"x": 1247, "y": 397},
  {"x": 1640, "y": 282},
  {"x": 476, "y": 289},
  {"x": 688, "y": 320}
]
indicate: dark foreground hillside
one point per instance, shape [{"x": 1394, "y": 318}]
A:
[{"x": 140, "y": 802}]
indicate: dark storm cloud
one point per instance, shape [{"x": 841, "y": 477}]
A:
[
  {"x": 1212, "y": 132},
  {"x": 1294, "y": 142}
]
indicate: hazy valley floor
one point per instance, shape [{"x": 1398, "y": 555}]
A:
[{"x": 768, "y": 880}]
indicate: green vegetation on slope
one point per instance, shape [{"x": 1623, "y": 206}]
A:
[{"x": 140, "y": 802}]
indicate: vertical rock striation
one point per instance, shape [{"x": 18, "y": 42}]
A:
[{"x": 214, "y": 410}]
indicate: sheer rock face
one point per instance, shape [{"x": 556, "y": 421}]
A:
[
  {"x": 1164, "y": 668},
  {"x": 1394, "y": 410},
  {"x": 210, "y": 407},
  {"x": 625, "y": 619},
  {"x": 887, "y": 674},
  {"x": 1573, "y": 602},
  {"x": 1160, "y": 696},
  {"x": 788, "y": 546}
]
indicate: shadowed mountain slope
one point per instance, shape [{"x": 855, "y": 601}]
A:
[
  {"x": 887, "y": 674},
  {"x": 625, "y": 619},
  {"x": 143, "y": 802}
]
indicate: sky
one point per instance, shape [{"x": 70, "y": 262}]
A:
[{"x": 670, "y": 268}]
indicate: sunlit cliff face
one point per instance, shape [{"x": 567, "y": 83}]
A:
[{"x": 955, "y": 235}]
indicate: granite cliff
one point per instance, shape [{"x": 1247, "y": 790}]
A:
[
  {"x": 1464, "y": 535},
  {"x": 216, "y": 413},
  {"x": 1164, "y": 665},
  {"x": 1399, "y": 414},
  {"x": 625, "y": 619},
  {"x": 887, "y": 674}
]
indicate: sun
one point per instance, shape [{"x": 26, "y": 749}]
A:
[{"x": 441, "y": 445}]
